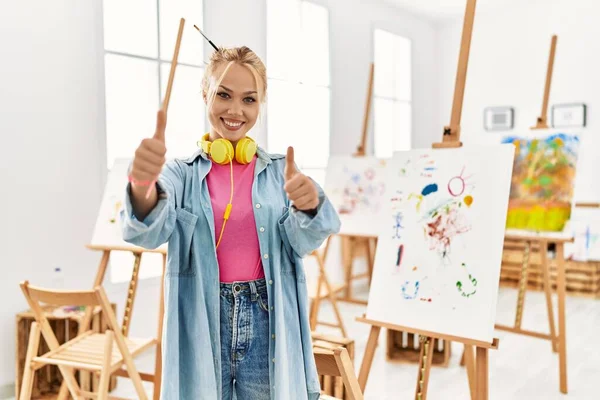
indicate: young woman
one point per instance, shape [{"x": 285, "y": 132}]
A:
[{"x": 238, "y": 222}]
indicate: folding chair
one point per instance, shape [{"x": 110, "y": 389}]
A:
[
  {"x": 336, "y": 362},
  {"x": 88, "y": 351}
]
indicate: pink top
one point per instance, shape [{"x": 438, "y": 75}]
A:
[{"x": 238, "y": 254}]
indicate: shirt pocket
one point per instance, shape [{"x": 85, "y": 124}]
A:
[{"x": 181, "y": 250}]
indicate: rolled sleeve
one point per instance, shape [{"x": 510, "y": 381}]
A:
[
  {"x": 306, "y": 232},
  {"x": 157, "y": 226}
]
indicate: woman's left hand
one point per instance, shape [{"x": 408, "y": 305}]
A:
[{"x": 299, "y": 188}]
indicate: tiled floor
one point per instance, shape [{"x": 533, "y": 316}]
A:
[{"x": 522, "y": 368}]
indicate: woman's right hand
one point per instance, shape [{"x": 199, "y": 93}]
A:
[
  {"x": 147, "y": 165},
  {"x": 150, "y": 155}
]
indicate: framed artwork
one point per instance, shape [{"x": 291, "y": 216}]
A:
[
  {"x": 498, "y": 118},
  {"x": 569, "y": 115}
]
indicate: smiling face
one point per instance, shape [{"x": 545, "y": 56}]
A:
[{"x": 235, "y": 107}]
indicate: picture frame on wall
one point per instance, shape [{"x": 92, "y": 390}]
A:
[
  {"x": 569, "y": 115},
  {"x": 498, "y": 118}
]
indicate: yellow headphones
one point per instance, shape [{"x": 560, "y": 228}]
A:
[{"x": 221, "y": 150}]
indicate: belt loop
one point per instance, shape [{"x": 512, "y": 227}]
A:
[{"x": 253, "y": 290}]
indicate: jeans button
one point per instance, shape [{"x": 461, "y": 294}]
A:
[{"x": 236, "y": 288}]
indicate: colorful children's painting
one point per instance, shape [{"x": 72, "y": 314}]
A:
[
  {"x": 542, "y": 183},
  {"x": 439, "y": 253},
  {"x": 108, "y": 232},
  {"x": 355, "y": 186}
]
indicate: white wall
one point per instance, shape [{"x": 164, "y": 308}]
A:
[
  {"x": 352, "y": 23},
  {"x": 52, "y": 110},
  {"x": 507, "y": 67},
  {"x": 53, "y": 151}
]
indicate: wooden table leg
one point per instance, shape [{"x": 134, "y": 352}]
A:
[
  {"x": 367, "y": 360},
  {"x": 481, "y": 366},
  {"x": 562, "y": 328}
]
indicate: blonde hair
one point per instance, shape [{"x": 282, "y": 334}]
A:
[{"x": 239, "y": 55}]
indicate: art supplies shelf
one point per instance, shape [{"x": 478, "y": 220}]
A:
[
  {"x": 64, "y": 322},
  {"x": 583, "y": 278}
]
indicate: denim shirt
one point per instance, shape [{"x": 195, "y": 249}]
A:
[{"x": 183, "y": 217}]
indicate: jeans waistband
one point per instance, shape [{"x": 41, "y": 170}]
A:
[{"x": 244, "y": 288}]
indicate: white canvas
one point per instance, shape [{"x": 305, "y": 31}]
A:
[
  {"x": 584, "y": 226},
  {"x": 437, "y": 266},
  {"x": 108, "y": 232},
  {"x": 356, "y": 188}
]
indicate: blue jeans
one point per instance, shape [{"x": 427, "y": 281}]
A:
[{"x": 245, "y": 340}]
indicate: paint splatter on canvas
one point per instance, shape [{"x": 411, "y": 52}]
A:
[
  {"x": 542, "y": 182},
  {"x": 356, "y": 186},
  {"x": 439, "y": 252}
]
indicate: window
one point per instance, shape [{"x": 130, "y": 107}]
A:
[
  {"x": 392, "y": 93},
  {"x": 139, "y": 41},
  {"x": 298, "y": 111}
]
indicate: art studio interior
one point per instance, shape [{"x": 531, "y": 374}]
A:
[{"x": 300, "y": 199}]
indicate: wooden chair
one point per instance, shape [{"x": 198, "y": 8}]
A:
[
  {"x": 335, "y": 361},
  {"x": 322, "y": 290},
  {"x": 88, "y": 351}
]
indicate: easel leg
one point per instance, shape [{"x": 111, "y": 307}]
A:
[
  {"x": 424, "y": 367},
  {"x": 330, "y": 294},
  {"x": 522, "y": 285},
  {"x": 469, "y": 360},
  {"x": 348, "y": 258},
  {"x": 131, "y": 293},
  {"x": 84, "y": 326},
  {"x": 369, "y": 252},
  {"x": 316, "y": 304},
  {"x": 562, "y": 328},
  {"x": 548, "y": 293},
  {"x": 481, "y": 366},
  {"x": 367, "y": 361},
  {"x": 161, "y": 311}
]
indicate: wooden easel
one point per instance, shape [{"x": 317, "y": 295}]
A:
[
  {"x": 129, "y": 301},
  {"x": 137, "y": 253},
  {"x": 351, "y": 244},
  {"x": 542, "y": 120},
  {"x": 541, "y": 240},
  {"x": 324, "y": 289},
  {"x": 557, "y": 339},
  {"x": 477, "y": 366}
]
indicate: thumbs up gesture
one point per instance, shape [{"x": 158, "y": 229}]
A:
[
  {"x": 150, "y": 155},
  {"x": 299, "y": 188}
]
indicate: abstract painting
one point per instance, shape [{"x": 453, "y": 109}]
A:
[
  {"x": 542, "y": 183},
  {"x": 355, "y": 186},
  {"x": 439, "y": 252}
]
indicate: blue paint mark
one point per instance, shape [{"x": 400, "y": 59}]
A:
[
  {"x": 431, "y": 188},
  {"x": 430, "y": 168}
]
